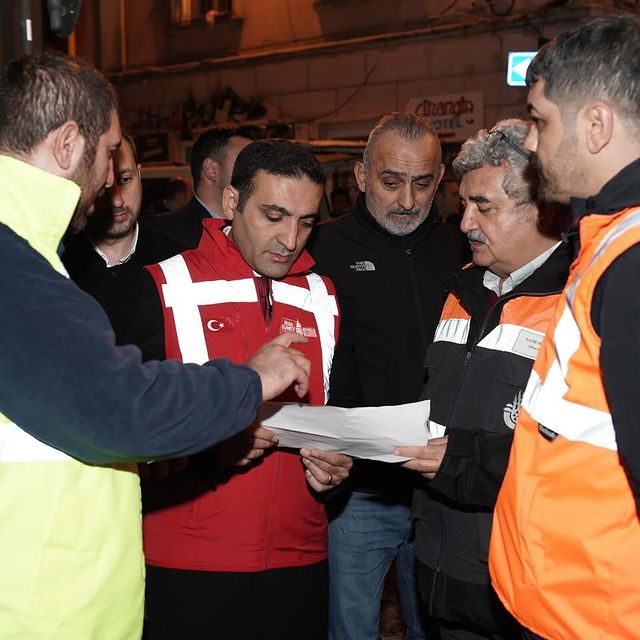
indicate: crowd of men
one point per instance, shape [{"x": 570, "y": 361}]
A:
[{"x": 137, "y": 351}]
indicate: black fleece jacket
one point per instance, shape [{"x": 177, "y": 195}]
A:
[{"x": 391, "y": 290}]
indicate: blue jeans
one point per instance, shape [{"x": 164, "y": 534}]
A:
[{"x": 364, "y": 538}]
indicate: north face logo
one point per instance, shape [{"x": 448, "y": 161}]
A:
[
  {"x": 511, "y": 411},
  {"x": 363, "y": 265}
]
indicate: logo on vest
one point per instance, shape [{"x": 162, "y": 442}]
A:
[
  {"x": 511, "y": 411},
  {"x": 294, "y": 326},
  {"x": 363, "y": 265},
  {"x": 220, "y": 325}
]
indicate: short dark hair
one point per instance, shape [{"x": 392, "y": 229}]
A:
[
  {"x": 276, "y": 157},
  {"x": 132, "y": 143},
  {"x": 597, "y": 60},
  {"x": 40, "y": 93},
  {"x": 211, "y": 144}
]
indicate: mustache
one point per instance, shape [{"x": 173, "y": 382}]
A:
[
  {"x": 476, "y": 236},
  {"x": 404, "y": 212}
]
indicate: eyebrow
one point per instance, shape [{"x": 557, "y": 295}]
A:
[
  {"x": 284, "y": 211},
  {"x": 479, "y": 199},
  {"x": 402, "y": 174}
]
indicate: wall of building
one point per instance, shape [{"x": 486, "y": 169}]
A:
[{"x": 328, "y": 68}]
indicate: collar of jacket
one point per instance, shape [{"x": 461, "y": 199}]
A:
[
  {"x": 360, "y": 212},
  {"x": 36, "y": 205},
  {"x": 550, "y": 277},
  {"x": 214, "y": 240},
  {"x": 621, "y": 192}
]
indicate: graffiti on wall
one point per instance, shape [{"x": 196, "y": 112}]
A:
[{"x": 224, "y": 108}]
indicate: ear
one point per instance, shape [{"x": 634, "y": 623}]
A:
[
  {"x": 440, "y": 175},
  {"x": 361, "y": 175},
  {"x": 67, "y": 145},
  {"x": 229, "y": 202},
  {"x": 210, "y": 170},
  {"x": 599, "y": 119}
]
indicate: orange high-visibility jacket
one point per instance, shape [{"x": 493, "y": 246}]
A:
[{"x": 565, "y": 545}]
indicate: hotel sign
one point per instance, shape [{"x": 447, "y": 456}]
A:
[{"x": 456, "y": 116}]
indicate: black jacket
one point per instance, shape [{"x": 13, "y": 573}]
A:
[
  {"x": 391, "y": 290},
  {"x": 109, "y": 285},
  {"x": 475, "y": 392},
  {"x": 184, "y": 225}
]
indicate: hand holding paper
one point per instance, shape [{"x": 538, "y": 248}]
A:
[
  {"x": 367, "y": 432},
  {"x": 426, "y": 459}
]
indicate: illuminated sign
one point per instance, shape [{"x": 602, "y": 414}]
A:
[{"x": 519, "y": 62}]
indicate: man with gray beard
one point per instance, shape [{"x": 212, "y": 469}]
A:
[{"x": 390, "y": 260}]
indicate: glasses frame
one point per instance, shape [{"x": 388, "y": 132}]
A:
[{"x": 496, "y": 134}]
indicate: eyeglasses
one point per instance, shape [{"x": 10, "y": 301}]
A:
[{"x": 498, "y": 136}]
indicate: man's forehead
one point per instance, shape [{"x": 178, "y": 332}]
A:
[
  {"x": 486, "y": 181},
  {"x": 536, "y": 98},
  {"x": 391, "y": 147},
  {"x": 283, "y": 190}
]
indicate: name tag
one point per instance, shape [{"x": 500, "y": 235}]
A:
[{"x": 528, "y": 344}]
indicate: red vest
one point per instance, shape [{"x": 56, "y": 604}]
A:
[
  {"x": 566, "y": 537},
  {"x": 265, "y": 516}
]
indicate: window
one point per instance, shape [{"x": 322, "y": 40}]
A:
[{"x": 186, "y": 12}]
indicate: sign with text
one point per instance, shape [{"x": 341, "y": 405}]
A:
[{"x": 456, "y": 116}]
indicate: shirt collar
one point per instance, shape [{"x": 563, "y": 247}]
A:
[
  {"x": 619, "y": 193},
  {"x": 209, "y": 210},
  {"x": 492, "y": 281},
  {"x": 125, "y": 258}
]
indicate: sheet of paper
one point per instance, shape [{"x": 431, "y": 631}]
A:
[{"x": 365, "y": 432}]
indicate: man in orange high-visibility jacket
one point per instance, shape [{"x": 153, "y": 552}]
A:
[{"x": 566, "y": 534}]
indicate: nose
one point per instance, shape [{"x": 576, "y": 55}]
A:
[
  {"x": 115, "y": 195},
  {"x": 110, "y": 175},
  {"x": 406, "y": 197},
  {"x": 468, "y": 221},
  {"x": 288, "y": 236},
  {"x": 531, "y": 141}
]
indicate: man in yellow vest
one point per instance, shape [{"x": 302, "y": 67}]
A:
[
  {"x": 75, "y": 411},
  {"x": 566, "y": 534}
]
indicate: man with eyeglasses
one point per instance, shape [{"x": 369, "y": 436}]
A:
[{"x": 489, "y": 334}]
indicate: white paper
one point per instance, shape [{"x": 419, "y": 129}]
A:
[{"x": 365, "y": 432}]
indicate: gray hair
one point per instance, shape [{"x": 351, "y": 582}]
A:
[
  {"x": 598, "y": 60},
  {"x": 409, "y": 126},
  {"x": 490, "y": 148}
]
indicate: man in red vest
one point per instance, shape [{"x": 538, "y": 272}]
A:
[
  {"x": 566, "y": 535},
  {"x": 240, "y": 551}
]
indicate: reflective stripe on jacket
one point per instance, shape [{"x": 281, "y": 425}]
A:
[
  {"x": 479, "y": 364},
  {"x": 70, "y": 539},
  {"x": 566, "y": 535},
  {"x": 265, "y": 516}
]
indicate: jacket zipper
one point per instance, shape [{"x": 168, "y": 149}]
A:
[{"x": 416, "y": 298}]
